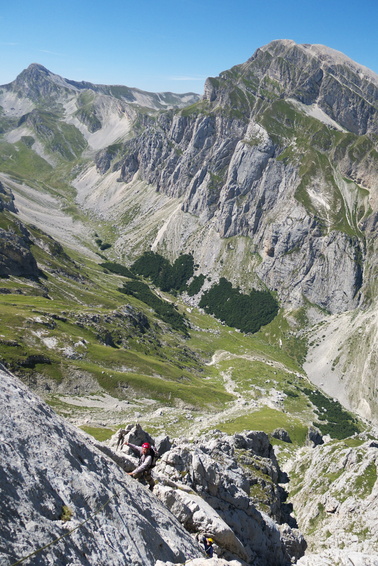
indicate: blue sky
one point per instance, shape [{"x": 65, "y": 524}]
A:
[{"x": 172, "y": 45}]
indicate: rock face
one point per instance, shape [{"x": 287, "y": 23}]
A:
[
  {"x": 15, "y": 256},
  {"x": 57, "y": 489},
  {"x": 66, "y": 498},
  {"x": 261, "y": 157},
  {"x": 314, "y": 74},
  {"x": 209, "y": 484},
  {"x": 334, "y": 490},
  {"x": 6, "y": 199}
]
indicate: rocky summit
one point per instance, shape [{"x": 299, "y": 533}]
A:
[{"x": 198, "y": 272}]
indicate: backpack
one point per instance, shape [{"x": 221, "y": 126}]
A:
[{"x": 155, "y": 456}]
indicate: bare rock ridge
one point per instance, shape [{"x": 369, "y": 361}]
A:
[
  {"x": 65, "y": 492},
  {"x": 312, "y": 74},
  {"x": 38, "y": 83},
  {"x": 53, "y": 482}
]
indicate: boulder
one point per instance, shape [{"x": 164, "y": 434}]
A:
[
  {"x": 281, "y": 434},
  {"x": 198, "y": 516},
  {"x": 314, "y": 437},
  {"x": 207, "y": 489},
  {"x": 15, "y": 256}
]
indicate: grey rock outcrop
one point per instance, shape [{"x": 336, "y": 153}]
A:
[
  {"x": 281, "y": 434},
  {"x": 314, "y": 437},
  {"x": 339, "y": 557},
  {"x": 15, "y": 256},
  {"x": 205, "y": 562},
  {"x": 66, "y": 497},
  {"x": 6, "y": 199},
  {"x": 206, "y": 484},
  {"x": 58, "y": 490},
  {"x": 336, "y": 494}
]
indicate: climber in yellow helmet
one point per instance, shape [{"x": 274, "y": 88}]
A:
[{"x": 208, "y": 545}]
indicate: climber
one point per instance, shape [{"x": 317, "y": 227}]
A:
[
  {"x": 121, "y": 438},
  {"x": 208, "y": 545},
  {"x": 146, "y": 461}
]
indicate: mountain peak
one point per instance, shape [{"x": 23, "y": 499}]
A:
[
  {"x": 36, "y": 82},
  {"x": 313, "y": 75},
  {"x": 37, "y": 66},
  {"x": 326, "y": 56},
  {"x": 33, "y": 71}
]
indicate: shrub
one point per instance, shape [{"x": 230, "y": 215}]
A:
[{"x": 66, "y": 514}]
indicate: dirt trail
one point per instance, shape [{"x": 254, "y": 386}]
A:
[
  {"x": 111, "y": 411},
  {"x": 221, "y": 355},
  {"x": 243, "y": 403}
]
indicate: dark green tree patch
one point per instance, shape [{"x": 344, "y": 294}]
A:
[
  {"x": 182, "y": 270},
  {"x": 102, "y": 245},
  {"x": 246, "y": 312},
  {"x": 118, "y": 269},
  {"x": 333, "y": 418},
  {"x": 195, "y": 285},
  {"x": 151, "y": 265},
  {"x": 164, "y": 310},
  {"x": 162, "y": 274}
]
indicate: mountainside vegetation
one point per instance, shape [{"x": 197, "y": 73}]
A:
[
  {"x": 164, "y": 275},
  {"x": 246, "y": 312}
]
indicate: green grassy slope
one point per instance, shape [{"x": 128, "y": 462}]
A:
[{"x": 72, "y": 335}]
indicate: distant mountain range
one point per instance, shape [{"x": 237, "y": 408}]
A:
[{"x": 269, "y": 179}]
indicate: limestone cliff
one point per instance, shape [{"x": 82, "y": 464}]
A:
[
  {"x": 270, "y": 155},
  {"x": 16, "y": 257},
  {"x": 334, "y": 489}
]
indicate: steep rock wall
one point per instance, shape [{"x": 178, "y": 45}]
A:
[
  {"x": 229, "y": 176},
  {"x": 56, "y": 488}
]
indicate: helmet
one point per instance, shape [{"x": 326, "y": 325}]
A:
[
  {"x": 146, "y": 445},
  {"x": 210, "y": 540}
]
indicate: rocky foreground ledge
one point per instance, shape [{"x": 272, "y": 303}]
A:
[
  {"x": 66, "y": 502},
  {"x": 66, "y": 498},
  {"x": 216, "y": 485}
]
